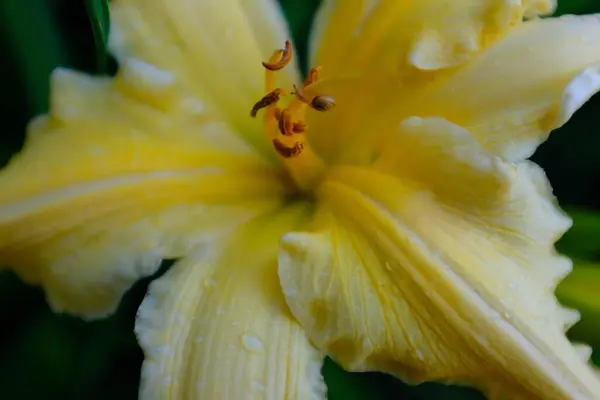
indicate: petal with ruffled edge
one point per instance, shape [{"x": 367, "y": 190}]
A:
[
  {"x": 510, "y": 97},
  {"x": 215, "y": 47},
  {"x": 527, "y": 84},
  {"x": 217, "y": 326},
  {"x": 367, "y": 36},
  {"x": 437, "y": 263},
  {"x": 123, "y": 173}
]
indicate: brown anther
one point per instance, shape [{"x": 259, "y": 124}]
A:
[
  {"x": 322, "y": 103},
  {"x": 299, "y": 127},
  {"x": 278, "y": 113},
  {"x": 286, "y": 125},
  {"x": 269, "y": 99},
  {"x": 286, "y": 57},
  {"x": 288, "y": 152},
  {"x": 313, "y": 76},
  {"x": 319, "y": 103}
]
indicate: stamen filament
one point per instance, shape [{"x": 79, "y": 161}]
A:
[{"x": 286, "y": 128}]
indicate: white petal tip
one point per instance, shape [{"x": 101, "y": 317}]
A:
[{"x": 577, "y": 93}]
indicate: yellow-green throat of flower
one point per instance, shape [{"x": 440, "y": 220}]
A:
[{"x": 286, "y": 127}]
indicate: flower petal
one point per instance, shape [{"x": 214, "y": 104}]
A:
[
  {"x": 214, "y": 47},
  {"x": 510, "y": 96},
  {"x": 217, "y": 326},
  {"x": 351, "y": 36},
  {"x": 107, "y": 186},
  {"x": 524, "y": 86},
  {"x": 437, "y": 264}
]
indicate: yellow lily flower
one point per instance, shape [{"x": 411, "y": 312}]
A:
[{"x": 402, "y": 230}]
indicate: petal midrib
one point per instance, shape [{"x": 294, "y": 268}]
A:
[
  {"x": 514, "y": 333},
  {"x": 20, "y": 207}
]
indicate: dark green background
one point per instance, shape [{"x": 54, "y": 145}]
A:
[{"x": 44, "y": 355}]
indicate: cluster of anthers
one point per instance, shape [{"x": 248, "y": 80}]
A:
[{"x": 289, "y": 139}]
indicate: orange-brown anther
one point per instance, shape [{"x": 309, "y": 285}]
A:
[
  {"x": 313, "y": 76},
  {"x": 286, "y": 57},
  {"x": 269, "y": 99},
  {"x": 289, "y": 121},
  {"x": 319, "y": 103},
  {"x": 299, "y": 127},
  {"x": 322, "y": 103},
  {"x": 286, "y": 125},
  {"x": 288, "y": 152}
]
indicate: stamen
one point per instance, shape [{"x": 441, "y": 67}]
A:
[
  {"x": 322, "y": 103},
  {"x": 288, "y": 152},
  {"x": 319, "y": 103},
  {"x": 268, "y": 100},
  {"x": 313, "y": 76},
  {"x": 285, "y": 58},
  {"x": 281, "y": 124},
  {"x": 299, "y": 127},
  {"x": 286, "y": 125}
]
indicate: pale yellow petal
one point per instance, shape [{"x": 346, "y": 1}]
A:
[
  {"x": 368, "y": 36},
  {"x": 510, "y": 96},
  {"x": 437, "y": 263},
  {"x": 217, "y": 326},
  {"x": 524, "y": 86},
  {"x": 534, "y": 8},
  {"x": 215, "y": 48},
  {"x": 108, "y": 185}
]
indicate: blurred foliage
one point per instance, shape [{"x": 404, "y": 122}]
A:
[
  {"x": 580, "y": 290},
  {"x": 46, "y": 355}
]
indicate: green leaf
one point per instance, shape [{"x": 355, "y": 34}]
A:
[
  {"x": 33, "y": 39},
  {"x": 578, "y": 7},
  {"x": 581, "y": 290},
  {"x": 582, "y": 241},
  {"x": 98, "y": 13},
  {"x": 299, "y": 15}
]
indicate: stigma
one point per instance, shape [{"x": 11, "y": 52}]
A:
[{"x": 286, "y": 127}]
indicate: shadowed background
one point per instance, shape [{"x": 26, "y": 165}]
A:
[{"x": 44, "y": 355}]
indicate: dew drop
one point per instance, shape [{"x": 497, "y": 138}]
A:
[
  {"x": 419, "y": 355},
  {"x": 252, "y": 342},
  {"x": 208, "y": 283},
  {"x": 257, "y": 386}
]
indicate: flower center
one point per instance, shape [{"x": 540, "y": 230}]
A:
[{"x": 286, "y": 127}]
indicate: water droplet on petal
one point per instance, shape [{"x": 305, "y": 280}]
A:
[
  {"x": 257, "y": 386},
  {"x": 208, "y": 283},
  {"x": 419, "y": 355},
  {"x": 252, "y": 342}
]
